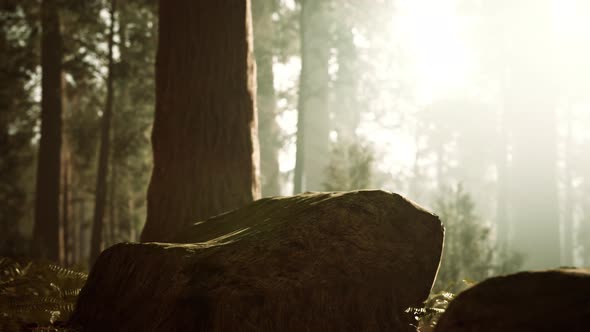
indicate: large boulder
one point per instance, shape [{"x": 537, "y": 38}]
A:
[
  {"x": 349, "y": 261},
  {"x": 555, "y": 300}
]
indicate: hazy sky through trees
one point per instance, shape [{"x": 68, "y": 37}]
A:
[
  {"x": 437, "y": 39},
  {"x": 452, "y": 67}
]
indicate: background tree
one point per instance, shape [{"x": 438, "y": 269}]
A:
[
  {"x": 45, "y": 233},
  {"x": 268, "y": 130},
  {"x": 313, "y": 130},
  {"x": 469, "y": 253},
  {"x": 19, "y": 57},
  {"x": 105, "y": 149},
  {"x": 205, "y": 148},
  {"x": 131, "y": 156},
  {"x": 350, "y": 167}
]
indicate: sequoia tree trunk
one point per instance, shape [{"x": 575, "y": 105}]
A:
[
  {"x": 313, "y": 123},
  {"x": 46, "y": 227},
  {"x": 204, "y": 136},
  {"x": 96, "y": 242}
]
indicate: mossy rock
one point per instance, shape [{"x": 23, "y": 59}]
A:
[{"x": 341, "y": 261}]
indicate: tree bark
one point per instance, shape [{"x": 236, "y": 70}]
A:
[
  {"x": 313, "y": 123},
  {"x": 46, "y": 227},
  {"x": 268, "y": 128},
  {"x": 96, "y": 244},
  {"x": 204, "y": 136}
]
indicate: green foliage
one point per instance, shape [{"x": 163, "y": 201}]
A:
[
  {"x": 18, "y": 115},
  {"x": 468, "y": 248},
  {"x": 427, "y": 316},
  {"x": 350, "y": 167},
  {"x": 435, "y": 306},
  {"x": 37, "y": 295}
]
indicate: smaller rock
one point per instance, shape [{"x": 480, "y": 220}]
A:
[{"x": 554, "y": 300}]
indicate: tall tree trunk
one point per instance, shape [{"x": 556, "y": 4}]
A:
[
  {"x": 46, "y": 226},
  {"x": 113, "y": 204},
  {"x": 85, "y": 234},
  {"x": 204, "y": 136},
  {"x": 65, "y": 213},
  {"x": 74, "y": 184},
  {"x": 104, "y": 152},
  {"x": 313, "y": 123},
  {"x": 344, "y": 103},
  {"x": 65, "y": 221},
  {"x": 76, "y": 225},
  {"x": 268, "y": 129},
  {"x": 122, "y": 207}
]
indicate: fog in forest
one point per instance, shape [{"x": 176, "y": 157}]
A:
[{"x": 475, "y": 109}]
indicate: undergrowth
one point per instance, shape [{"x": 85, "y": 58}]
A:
[
  {"x": 36, "y": 296},
  {"x": 434, "y": 307},
  {"x": 39, "y": 297}
]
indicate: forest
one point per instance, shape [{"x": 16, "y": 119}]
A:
[{"x": 130, "y": 122}]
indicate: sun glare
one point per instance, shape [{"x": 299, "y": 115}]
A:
[{"x": 432, "y": 35}]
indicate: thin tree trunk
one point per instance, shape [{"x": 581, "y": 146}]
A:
[
  {"x": 65, "y": 224},
  {"x": 65, "y": 227},
  {"x": 76, "y": 229},
  {"x": 113, "y": 204},
  {"x": 313, "y": 127},
  {"x": 204, "y": 136},
  {"x": 268, "y": 128},
  {"x": 125, "y": 199},
  {"x": 85, "y": 229},
  {"x": 46, "y": 226},
  {"x": 74, "y": 188},
  {"x": 344, "y": 103},
  {"x": 96, "y": 244}
]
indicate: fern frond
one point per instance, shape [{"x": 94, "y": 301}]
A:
[
  {"x": 62, "y": 272},
  {"x": 36, "y": 294}
]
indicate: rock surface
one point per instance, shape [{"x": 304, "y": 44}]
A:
[
  {"x": 349, "y": 261},
  {"x": 555, "y": 300}
]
